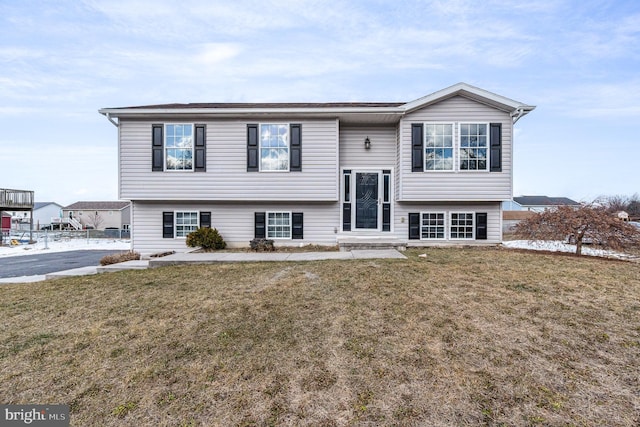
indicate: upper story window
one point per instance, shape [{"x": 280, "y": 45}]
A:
[
  {"x": 438, "y": 146},
  {"x": 274, "y": 147},
  {"x": 474, "y": 146},
  {"x": 178, "y": 147},
  {"x": 463, "y": 146}
]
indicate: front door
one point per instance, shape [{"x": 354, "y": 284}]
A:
[{"x": 367, "y": 200}]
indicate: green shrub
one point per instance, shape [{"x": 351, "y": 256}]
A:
[
  {"x": 206, "y": 238},
  {"x": 121, "y": 257}
]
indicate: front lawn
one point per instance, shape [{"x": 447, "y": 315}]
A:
[{"x": 473, "y": 336}]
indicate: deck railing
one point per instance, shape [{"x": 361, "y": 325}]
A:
[{"x": 15, "y": 199}]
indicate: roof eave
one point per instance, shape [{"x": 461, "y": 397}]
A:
[
  {"x": 471, "y": 92},
  {"x": 322, "y": 112}
]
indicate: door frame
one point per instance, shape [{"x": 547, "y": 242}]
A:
[{"x": 380, "y": 171}]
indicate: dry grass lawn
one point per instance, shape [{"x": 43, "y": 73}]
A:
[{"x": 468, "y": 336}]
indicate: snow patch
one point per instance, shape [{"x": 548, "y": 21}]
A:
[
  {"x": 64, "y": 245},
  {"x": 558, "y": 246}
]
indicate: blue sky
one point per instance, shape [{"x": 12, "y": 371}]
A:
[{"x": 60, "y": 61}]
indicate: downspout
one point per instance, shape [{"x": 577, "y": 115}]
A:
[{"x": 108, "y": 116}]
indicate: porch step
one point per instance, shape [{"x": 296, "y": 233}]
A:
[{"x": 350, "y": 243}]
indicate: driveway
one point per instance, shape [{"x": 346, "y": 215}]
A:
[{"x": 40, "y": 264}]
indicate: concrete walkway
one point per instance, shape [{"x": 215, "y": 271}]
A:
[{"x": 213, "y": 257}]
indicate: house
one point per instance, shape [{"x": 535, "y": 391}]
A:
[
  {"x": 538, "y": 203},
  {"x": 98, "y": 215},
  {"x": 44, "y": 214},
  {"x": 431, "y": 171}
]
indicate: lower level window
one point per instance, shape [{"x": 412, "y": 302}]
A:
[
  {"x": 186, "y": 222},
  {"x": 461, "y": 226},
  {"x": 278, "y": 225},
  {"x": 432, "y": 226}
]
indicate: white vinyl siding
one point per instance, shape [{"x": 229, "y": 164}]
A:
[
  {"x": 227, "y": 178},
  {"x": 234, "y": 221},
  {"x": 456, "y": 185},
  {"x": 382, "y": 153}
]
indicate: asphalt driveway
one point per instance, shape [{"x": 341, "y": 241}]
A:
[{"x": 40, "y": 264}]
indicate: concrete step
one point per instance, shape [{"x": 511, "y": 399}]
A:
[{"x": 355, "y": 243}]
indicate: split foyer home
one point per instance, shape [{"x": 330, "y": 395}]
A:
[{"x": 427, "y": 172}]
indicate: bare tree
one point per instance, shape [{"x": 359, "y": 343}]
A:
[
  {"x": 589, "y": 222},
  {"x": 629, "y": 204},
  {"x": 95, "y": 220}
]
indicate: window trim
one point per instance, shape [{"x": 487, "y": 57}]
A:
[
  {"x": 473, "y": 225},
  {"x": 260, "y": 124},
  {"x": 454, "y": 147},
  {"x": 445, "y": 225},
  {"x": 266, "y": 225},
  {"x": 193, "y": 147},
  {"x": 175, "y": 223},
  {"x": 487, "y": 147}
]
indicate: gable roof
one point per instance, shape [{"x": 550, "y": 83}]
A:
[
  {"x": 98, "y": 206},
  {"x": 382, "y": 111},
  {"x": 544, "y": 201},
  {"x": 39, "y": 205}
]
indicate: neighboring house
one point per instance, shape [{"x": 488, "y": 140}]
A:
[
  {"x": 431, "y": 171},
  {"x": 99, "y": 215},
  {"x": 538, "y": 203},
  {"x": 524, "y": 207}
]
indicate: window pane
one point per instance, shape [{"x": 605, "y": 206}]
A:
[
  {"x": 438, "y": 137},
  {"x": 278, "y": 225},
  {"x": 274, "y": 147}
]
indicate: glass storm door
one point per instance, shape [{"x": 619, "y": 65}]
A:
[{"x": 366, "y": 200}]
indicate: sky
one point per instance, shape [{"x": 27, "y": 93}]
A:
[{"x": 578, "y": 62}]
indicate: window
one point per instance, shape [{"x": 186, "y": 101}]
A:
[
  {"x": 278, "y": 225},
  {"x": 178, "y": 147},
  {"x": 461, "y": 226},
  {"x": 432, "y": 226},
  {"x": 274, "y": 147},
  {"x": 438, "y": 146},
  {"x": 473, "y": 146},
  {"x": 186, "y": 222}
]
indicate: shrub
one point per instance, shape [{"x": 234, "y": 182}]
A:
[
  {"x": 262, "y": 245},
  {"x": 121, "y": 257},
  {"x": 206, "y": 238}
]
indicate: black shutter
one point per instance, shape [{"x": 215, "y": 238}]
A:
[
  {"x": 481, "y": 226},
  {"x": 417, "y": 153},
  {"x": 295, "y": 150},
  {"x": 495, "y": 154},
  {"x": 346, "y": 216},
  {"x": 205, "y": 219},
  {"x": 167, "y": 225},
  {"x": 157, "y": 148},
  {"x": 414, "y": 226},
  {"x": 252, "y": 148},
  {"x": 260, "y": 226},
  {"x": 297, "y": 225},
  {"x": 201, "y": 148}
]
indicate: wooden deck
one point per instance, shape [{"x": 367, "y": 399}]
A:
[{"x": 14, "y": 200}]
